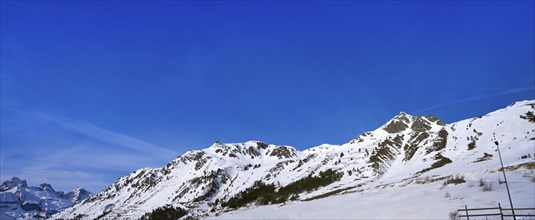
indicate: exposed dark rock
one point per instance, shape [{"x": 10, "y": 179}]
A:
[
  {"x": 415, "y": 141},
  {"x": 198, "y": 155},
  {"x": 396, "y": 126},
  {"x": 485, "y": 157},
  {"x": 440, "y": 162},
  {"x": 262, "y": 145},
  {"x": 471, "y": 145},
  {"x": 421, "y": 124},
  {"x": 47, "y": 187},
  {"x": 385, "y": 153},
  {"x": 360, "y": 138},
  {"x": 253, "y": 151},
  {"x": 200, "y": 163},
  {"x": 435, "y": 119},
  {"x": 282, "y": 152},
  {"x": 440, "y": 142},
  {"x": 398, "y": 123},
  {"x": 29, "y": 206}
]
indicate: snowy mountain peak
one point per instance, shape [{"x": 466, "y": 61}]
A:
[
  {"x": 78, "y": 195},
  {"x": 403, "y": 114},
  {"x": 47, "y": 187},
  {"x": 252, "y": 150},
  {"x": 80, "y": 190},
  {"x": 14, "y": 182},
  {"x": 405, "y": 151},
  {"x": 404, "y": 121}
]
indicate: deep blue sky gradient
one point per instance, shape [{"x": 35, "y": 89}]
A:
[{"x": 165, "y": 76}]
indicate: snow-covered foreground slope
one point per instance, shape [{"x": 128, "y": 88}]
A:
[
  {"x": 400, "y": 170},
  {"x": 431, "y": 200},
  {"x": 18, "y": 200}
]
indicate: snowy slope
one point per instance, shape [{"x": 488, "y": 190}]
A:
[
  {"x": 18, "y": 200},
  {"x": 414, "y": 201},
  {"x": 407, "y": 160}
]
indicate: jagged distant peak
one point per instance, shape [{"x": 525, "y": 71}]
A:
[
  {"x": 80, "y": 190},
  {"x": 47, "y": 187},
  {"x": 20, "y": 201},
  {"x": 78, "y": 195},
  {"x": 14, "y": 182}
]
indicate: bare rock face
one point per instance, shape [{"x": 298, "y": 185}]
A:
[
  {"x": 421, "y": 124},
  {"x": 434, "y": 119},
  {"x": 403, "y": 121},
  {"x": 398, "y": 123},
  {"x": 411, "y": 132},
  {"x": 283, "y": 152}
]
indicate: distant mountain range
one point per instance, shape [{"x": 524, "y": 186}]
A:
[
  {"x": 18, "y": 200},
  {"x": 275, "y": 181}
]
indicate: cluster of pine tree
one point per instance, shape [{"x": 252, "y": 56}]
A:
[
  {"x": 164, "y": 213},
  {"x": 259, "y": 191},
  {"x": 265, "y": 194}
]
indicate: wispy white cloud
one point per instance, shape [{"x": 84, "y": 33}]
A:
[
  {"x": 43, "y": 147},
  {"x": 73, "y": 153},
  {"x": 474, "y": 98},
  {"x": 107, "y": 136},
  {"x": 374, "y": 124},
  {"x": 160, "y": 120}
]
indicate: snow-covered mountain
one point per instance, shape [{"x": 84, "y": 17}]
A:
[
  {"x": 403, "y": 157},
  {"x": 18, "y": 200}
]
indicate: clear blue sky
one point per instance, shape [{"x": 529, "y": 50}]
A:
[{"x": 91, "y": 91}]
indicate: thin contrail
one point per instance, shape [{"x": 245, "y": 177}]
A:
[
  {"x": 106, "y": 136},
  {"x": 161, "y": 120},
  {"x": 476, "y": 98}
]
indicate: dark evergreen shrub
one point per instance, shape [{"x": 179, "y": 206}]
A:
[
  {"x": 265, "y": 194},
  {"x": 166, "y": 212}
]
